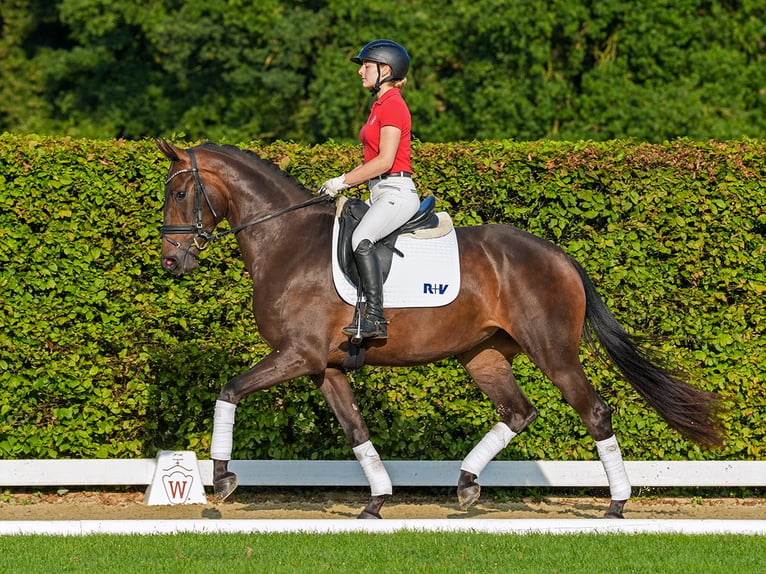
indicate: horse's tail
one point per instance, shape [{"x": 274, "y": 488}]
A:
[{"x": 692, "y": 412}]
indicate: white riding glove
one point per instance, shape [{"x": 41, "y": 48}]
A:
[{"x": 332, "y": 186}]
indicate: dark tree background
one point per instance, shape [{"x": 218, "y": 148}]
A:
[{"x": 238, "y": 70}]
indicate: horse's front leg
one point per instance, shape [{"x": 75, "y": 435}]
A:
[
  {"x": 337, "y": 391},
  {"x": 224, "y": 482},
  {"x": 275, "y": 368}
]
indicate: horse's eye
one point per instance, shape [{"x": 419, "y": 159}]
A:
[{"x": 180, "y": 195}]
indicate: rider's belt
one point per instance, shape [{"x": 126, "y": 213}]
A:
[{"x": 394, "y": 174}]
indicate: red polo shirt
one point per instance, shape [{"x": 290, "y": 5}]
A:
[{"x": 390, "y": 109}]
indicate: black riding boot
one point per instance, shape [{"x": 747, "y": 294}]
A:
[{"x": 372, "y": 324}]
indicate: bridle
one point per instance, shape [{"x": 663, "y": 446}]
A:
[{"x": 197, "y": 226}]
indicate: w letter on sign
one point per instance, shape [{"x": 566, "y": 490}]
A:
[{"x": 176, "y": 480}]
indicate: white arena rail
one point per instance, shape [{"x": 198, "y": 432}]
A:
[{"x": 556, "y": 474}]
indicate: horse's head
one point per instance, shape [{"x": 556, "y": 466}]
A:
[{"x": 192, "y": 208}]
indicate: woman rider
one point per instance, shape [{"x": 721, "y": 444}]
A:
[{"x": 387, "y": 167}]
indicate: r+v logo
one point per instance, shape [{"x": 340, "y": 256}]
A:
[{"x": 435, "y": 288}]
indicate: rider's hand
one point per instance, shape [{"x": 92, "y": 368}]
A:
[{"x": 332, "y": 186}]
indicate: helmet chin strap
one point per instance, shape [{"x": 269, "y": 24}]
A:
[{"x": 378, "y": 83}]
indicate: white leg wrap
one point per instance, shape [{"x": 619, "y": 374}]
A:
[
  {"x": 223, "y": 431},
  {"x": 377, "y": 476},
  {"x": 611, "y": 458},
  {"x": 493, "y": 442}
]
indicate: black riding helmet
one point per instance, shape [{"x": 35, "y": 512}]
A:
[{"x": 385, "y": 52}]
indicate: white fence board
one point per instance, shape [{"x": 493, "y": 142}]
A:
[
  {"x": 561, "y": 474},
  {"x": 76, "y": 472}
]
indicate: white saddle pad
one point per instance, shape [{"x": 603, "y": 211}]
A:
[{"x": 427, "y": 276}]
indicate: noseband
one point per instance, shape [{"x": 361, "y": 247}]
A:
[{"x": 197, "y": 227}]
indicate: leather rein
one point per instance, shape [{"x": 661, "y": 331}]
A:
[{"x": 197, "y": 227}]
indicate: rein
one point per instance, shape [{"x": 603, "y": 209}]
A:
[
  {"x": 197, "y": 227},
  {"x": 314, "y": 200}
]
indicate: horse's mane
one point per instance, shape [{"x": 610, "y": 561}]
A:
[{"x": 252, "y": 157}]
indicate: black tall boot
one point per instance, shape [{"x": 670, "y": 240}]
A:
[{"x": 372, "y": 324}]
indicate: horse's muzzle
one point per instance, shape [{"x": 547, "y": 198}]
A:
[
  {"x": 179, "y": 266},
  {"x": 179, "y": 259}
]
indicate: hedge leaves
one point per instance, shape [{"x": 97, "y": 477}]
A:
[{"x": 104, "y": 355}]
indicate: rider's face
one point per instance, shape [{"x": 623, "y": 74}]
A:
[{"x": 369, "y": 73}]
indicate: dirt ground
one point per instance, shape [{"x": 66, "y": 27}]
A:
[{"x": 106, "y": 505}]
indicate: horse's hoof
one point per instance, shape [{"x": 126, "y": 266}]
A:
[
  {"x": 467, "y": 494},
  {"x": 615, "y": 509},
  {"x": 224, "y": 486},
  {"x": 372, "y": 510}
]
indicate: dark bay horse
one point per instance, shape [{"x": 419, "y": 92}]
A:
[{"x": 519, "y": 294}]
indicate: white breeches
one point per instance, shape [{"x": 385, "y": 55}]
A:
[{"x": 393, "y": 201}]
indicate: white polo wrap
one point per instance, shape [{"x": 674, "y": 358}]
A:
[
  {"x": 611, "y": 458},
  {"x": 223, "y": 431},
  {"x": 493, "y": 442},
  {"x": 377, "y": 476}
]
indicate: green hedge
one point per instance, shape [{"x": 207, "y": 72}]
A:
[{"x": 102, "y": 354}]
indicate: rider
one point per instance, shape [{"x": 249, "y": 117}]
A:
[{"x": 388, "y": 169}]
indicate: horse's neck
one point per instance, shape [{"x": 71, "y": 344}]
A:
[
  {"x": 271, "y": 243},
  {"x": 260, "y": 194}
]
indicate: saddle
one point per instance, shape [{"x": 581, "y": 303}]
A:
[{"x": 350, "y": 213}]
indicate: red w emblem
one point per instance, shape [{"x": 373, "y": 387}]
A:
[{"x": 178, "y": 484}]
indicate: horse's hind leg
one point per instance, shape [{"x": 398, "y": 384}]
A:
[
  {"x": 490, "y": 368},
  {"x": 550, "y": 335},
  {"x": 337, "y": 391},
  {"x": 566, "y": 372}
]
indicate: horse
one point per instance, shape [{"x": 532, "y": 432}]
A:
[{"x": 519, "y": 294}]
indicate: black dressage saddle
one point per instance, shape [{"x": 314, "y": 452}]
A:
[{"x": 351, "y": 214}]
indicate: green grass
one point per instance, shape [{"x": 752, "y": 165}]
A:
[{"x": 410, "y": 552}]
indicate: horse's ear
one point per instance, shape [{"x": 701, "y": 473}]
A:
[{"x": 168, "y": 149}]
